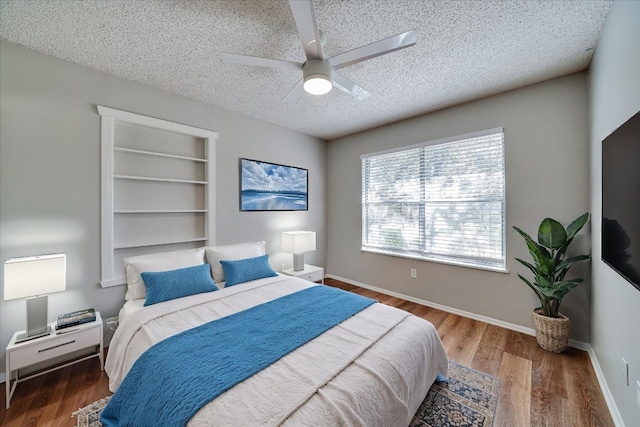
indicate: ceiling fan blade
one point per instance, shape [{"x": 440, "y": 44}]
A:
[
  {"x": 381, "y": 47},
  {"x": 305, "y": 17},
  {"x": 349, "y": 87},
  {"x": 295, "y": 93},
  {"x": 260, "y": 62}
]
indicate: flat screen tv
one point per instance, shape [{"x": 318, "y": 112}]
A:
[{"x": 621, "y": 200}]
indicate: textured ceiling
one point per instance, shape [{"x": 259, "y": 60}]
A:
[{"x": 465, "y": 50}]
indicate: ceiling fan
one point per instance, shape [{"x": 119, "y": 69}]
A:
[{"x": 318, "y": 74}]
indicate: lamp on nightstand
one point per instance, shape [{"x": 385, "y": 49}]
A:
[
  {"x": 33, "y": 278},
  {"x": 297, "y": 243}
]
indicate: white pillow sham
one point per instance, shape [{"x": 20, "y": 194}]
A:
[
  {"x": 162, "y": 261},
  {"x": 231, "y": 253}
]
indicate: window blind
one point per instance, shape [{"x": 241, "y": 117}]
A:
[{"x": 442, "y": 201}]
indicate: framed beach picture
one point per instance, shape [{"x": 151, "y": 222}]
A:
[{"x": 272, "y": 187}]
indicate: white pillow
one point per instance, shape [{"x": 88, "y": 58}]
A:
[
  {"x": 163, "y": 261},
  {"x": 231, "y": 253}
]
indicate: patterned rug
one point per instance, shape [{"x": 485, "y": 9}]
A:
[{"x": 468, "y": 399}]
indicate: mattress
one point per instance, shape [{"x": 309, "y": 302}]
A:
[{"x": 373, "y": 369}]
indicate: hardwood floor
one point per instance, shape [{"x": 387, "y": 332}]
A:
[
  {"x": 49, "y": 400},
  {"x": 538, "y": 388}
]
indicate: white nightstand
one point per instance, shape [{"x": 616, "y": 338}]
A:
[
  {"x": 310, "y": 273},
  {"x": 56, "y": 344}
]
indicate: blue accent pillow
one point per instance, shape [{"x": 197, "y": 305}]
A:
[
  {"x": 167, "y": 285},
  {"x": 245, "y": 270}
]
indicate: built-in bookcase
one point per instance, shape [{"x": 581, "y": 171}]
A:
[{"x": 158, "y": 189}]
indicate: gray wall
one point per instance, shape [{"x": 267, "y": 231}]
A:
[
  {"x": 614, "y": 83},
  {"x": 50, "y": 173},
  {"x": 547, "y": 174}
]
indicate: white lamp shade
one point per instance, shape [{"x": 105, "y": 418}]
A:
[
  {"x": 36, "y": 275},
  {"x": 298, "y": 242}
]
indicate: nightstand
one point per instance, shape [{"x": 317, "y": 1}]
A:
[
  {"x": 310, "y": 273},
  {"x": 44, "y": 349}
]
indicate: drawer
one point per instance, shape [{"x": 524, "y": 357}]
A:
[
  {"x": 315, "y": 276},
  {"x": 57, "y": 346}
]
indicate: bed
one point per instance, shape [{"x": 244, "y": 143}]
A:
[{"x": 372, "y": 369}]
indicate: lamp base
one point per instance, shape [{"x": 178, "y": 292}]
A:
[
  {"x": 298, "y": 262},
  {"x": 36, "y": 319}
]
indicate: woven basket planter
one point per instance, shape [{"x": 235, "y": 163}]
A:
[{"x": 552, "y": 333}]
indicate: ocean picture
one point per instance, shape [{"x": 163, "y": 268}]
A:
[{"x": 272, "y": 187}]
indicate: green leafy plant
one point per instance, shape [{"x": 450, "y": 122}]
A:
[{"x": 550, "y": 264}]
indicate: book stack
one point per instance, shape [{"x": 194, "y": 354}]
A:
[{"x": 76, "y": 318}]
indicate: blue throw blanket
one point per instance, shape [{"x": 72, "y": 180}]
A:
[{"x": 173, "y": 379}]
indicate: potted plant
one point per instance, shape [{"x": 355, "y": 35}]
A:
[{"x": 550, "y": 265}]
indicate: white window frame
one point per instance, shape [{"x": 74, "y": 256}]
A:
[{"x": 498, "y": 263}]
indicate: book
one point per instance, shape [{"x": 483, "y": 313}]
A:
[{"x": 76, "y": 318}]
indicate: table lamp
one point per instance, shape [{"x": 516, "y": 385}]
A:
[
  {"x": 32, "y": 278},
  {"x": 297, "y": 243}
]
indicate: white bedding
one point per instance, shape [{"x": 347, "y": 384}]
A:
[
  {"x": 374, "y": 369},
  {"x": 129, "y": 308}
]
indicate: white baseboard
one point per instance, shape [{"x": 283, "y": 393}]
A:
[
  {"x": 468, "y": 314},
  {"x": 606, "y": 392}
]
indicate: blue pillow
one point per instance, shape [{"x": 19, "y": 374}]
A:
[
  {"x": 167, "y": 285},
  {"x": 245, "y": 270}
]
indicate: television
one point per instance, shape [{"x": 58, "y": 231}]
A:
[{"x": 621, "y": 200}]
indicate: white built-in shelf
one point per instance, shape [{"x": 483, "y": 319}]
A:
[
  {"x": 157, "y": 154},
  {"x": 165, "y": 201},
  {"x": 146, "y": 178},
  {"x": 156, "y": 243},
  {"x": 158, "y": 211}
]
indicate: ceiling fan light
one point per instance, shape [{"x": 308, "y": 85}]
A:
[
  {"x": 317, "y": 84},
  {"x": 317, "y": 76}
]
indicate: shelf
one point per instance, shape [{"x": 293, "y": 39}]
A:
[
  {"x": 116, "y": 281},
  {"x": 166, "y": 242},
  {"x": 161, "y": 176},
  {"x": 153, "y": 153},
  {"x": 145, "y": 178},
  {"x": 159, "y": 211}
]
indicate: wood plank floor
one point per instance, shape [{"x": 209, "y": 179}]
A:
[{"x": 538, "y": 388}]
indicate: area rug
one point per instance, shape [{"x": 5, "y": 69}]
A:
[
  {"x": 89, "y": 416},
  {"x": 468, "y": 399}
]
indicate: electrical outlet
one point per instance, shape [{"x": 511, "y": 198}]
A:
[
  {"x": 625, "y": 371},
  {"x": 414, "y": 273}
]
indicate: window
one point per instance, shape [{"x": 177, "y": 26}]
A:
[{"x": 440, "y": 201}]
